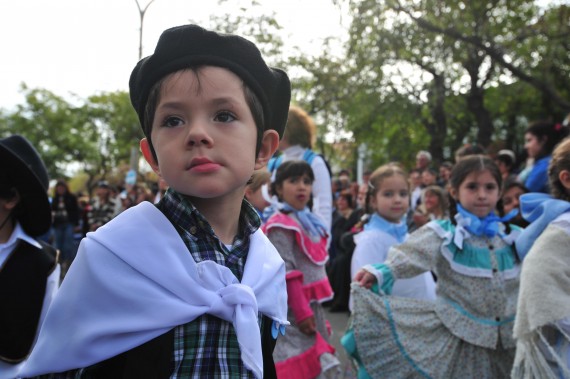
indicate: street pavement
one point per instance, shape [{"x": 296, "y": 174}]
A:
[{"x": 339, "y": 322}]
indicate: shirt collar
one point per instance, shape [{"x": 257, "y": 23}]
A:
[
  {"x": 182, "y": 213},
  {"x": 295, "y": 149},
  {"x": 19, "y": 234}
]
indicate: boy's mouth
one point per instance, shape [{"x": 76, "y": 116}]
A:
[{"x": 203, "y": 165}]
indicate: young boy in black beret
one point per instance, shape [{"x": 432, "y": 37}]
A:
[
  {"x": 29, "y": 272},
  {"x": 189, "y": 287}
]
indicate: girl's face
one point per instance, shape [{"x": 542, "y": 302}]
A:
[
  {"x": 478, "y": 193},
  {"x": 392, "y": 198},
  {"x": 341, "y": 203},
  {"x": 431, "y": 202},
  {"x": 296, "y": 191},
  {"x": 428, "y": 178},
  {"x": 533, "y": 145},
  {"x": 511, "y": 198}
]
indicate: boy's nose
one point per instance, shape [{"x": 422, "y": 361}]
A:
[{"x": 198, "y": 134}]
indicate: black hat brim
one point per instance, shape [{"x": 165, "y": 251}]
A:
[{"x": 35, "y": 217}]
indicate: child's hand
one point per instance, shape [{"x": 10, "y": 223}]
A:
[
  {"x": 365, "y": 279},
  {"x": 308, "y": 326}
]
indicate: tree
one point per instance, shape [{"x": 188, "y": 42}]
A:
[
  {"x": 93, "y": 136},
  {"x": 61, "y": 131},
  {"x": 446, "y": 46}
]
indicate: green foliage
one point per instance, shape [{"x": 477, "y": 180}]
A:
[{"x": 93, "y": 136}]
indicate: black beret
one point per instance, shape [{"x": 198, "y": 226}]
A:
[{"x": 190, "y": 45}]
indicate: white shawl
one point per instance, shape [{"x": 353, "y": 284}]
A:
[
  {"x": 544, "y": 299},
  {"x": 134, "y": 280}
]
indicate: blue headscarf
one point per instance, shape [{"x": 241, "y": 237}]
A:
[
  {"x": 378, "y": 222},
  {"x": 539, "y": 209}
]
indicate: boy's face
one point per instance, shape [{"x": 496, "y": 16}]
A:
[{"x": 204, "y": 135}]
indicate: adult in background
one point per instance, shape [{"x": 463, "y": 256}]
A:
[
  {"x": 540, "y": 139},
  {"x": 444, "y": 174},
  {"x": 29, "y": 274},
  {"x": 103, "y": 208},
  {"x": 423, "y": 160},
  {"x": 298, "y": 140},
  {"x": 415, "y": 179},
  {"x": 506, "y": 160},
  {"x": 65, "y": 212}
]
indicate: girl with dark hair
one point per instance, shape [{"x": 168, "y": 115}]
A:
[
  {"x": 467, "y": 331},
  {"x": 540, "y": 139},
  {"x": 300, "y": 237}
]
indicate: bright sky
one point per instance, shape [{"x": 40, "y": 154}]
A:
[{"x": 87, "y": 46}]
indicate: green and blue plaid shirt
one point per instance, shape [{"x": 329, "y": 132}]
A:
[{"x": 208, "y": 347}]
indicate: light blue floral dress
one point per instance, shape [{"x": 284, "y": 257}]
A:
[{"x": 465, "y": 333}]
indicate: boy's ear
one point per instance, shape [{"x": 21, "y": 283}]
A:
[
  {"x": 564, "y": 177},
  {"x": 269, "y": 144},
  {"x": 145, "y": 149}
]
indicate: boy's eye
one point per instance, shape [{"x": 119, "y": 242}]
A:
[
  {"x": 172, "y": 121},
  {"x": 307, "y": 181},
  {"x": 472, "y": 186},
  {"x": 224, "y": 117},
  {"x": 404, "y": 194},
  {"x": 388, "y": 194},
  {"x": 491, "y": 187}
]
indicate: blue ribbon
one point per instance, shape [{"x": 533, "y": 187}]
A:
[
  {"x": 539, "y": 209},
  {"x": 484, "y": 226}
]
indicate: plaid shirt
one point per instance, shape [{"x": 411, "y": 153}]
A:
[{"x": 207, "y": 347}]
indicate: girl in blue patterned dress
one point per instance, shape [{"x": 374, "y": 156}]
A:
[{"x": 467, "y": 331}]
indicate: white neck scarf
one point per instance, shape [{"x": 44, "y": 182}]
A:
[{"x": 134, "y": 279}]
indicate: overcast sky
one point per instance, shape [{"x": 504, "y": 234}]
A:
[{"x": 86, "y": 46}]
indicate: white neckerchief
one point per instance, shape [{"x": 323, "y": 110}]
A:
[{"x": 134, "y": 280}]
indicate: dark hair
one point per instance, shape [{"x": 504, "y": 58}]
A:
[
  {"x": 507, "y": 160},
  {"x": 154, "y": 98},
  {"x": 466, "y": 166},
  {"x": 549, "y": 133},
  {"x": 62, "y": 183},
  {"x": 291, "y": 169},
  {"x": 469, "y": 149},
  {"x": 348, "y": 196},
  {"x": 560, "y": 161}
]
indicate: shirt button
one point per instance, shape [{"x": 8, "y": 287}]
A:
[
  {"x": 491, "y": 247},
  {"x": 495, "y": 270},
  {"x": 192, "y": 230},
  {"x": 497, "y": 319}
]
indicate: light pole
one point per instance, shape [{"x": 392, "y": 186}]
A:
[{"x": 131, "y": 176}]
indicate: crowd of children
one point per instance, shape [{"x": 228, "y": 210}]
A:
[{"x": 227, "y": 271}]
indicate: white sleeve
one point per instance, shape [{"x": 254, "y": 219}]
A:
[
  {"x": 369, "y": 250},
  {"x": 322, "y": 192}
]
